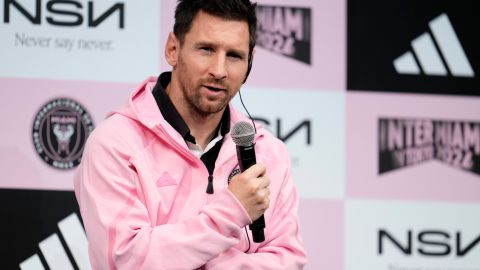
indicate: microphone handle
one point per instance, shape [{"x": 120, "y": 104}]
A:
[{"x": 246, "y": 158}]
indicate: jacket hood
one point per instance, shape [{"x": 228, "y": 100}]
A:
[{"x": 142, "y": 107}]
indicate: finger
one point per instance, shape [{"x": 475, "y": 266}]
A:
[
  {"x": 262, "y": 196},
  {"x": 266, "y": 194},
  {"x": 255, "y": 171},
  {"x": 265, "y": 204},
  {"x": 263, "y": 182}
]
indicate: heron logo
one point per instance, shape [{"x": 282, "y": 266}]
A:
[{"x": 60, "y": 130}]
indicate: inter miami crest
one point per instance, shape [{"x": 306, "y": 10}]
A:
[
  {"x": 60, "y": 130},
  {"x": 234, "y": 172}
]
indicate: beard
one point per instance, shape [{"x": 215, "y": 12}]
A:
[
  {"x": 203, "y": 104},
  {"x": 197, "y": 99}
]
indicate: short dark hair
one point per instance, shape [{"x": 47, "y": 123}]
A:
[{"x": 241, "y": 10}]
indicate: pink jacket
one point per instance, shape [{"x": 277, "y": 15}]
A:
[{"x": 143, "y": 202}]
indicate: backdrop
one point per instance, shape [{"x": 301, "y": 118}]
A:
[{"x": 377, "y": 101}]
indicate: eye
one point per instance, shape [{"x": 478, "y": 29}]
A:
[
  {"x": 206, "y": 49},
  {"x": 234, "y": 56}
]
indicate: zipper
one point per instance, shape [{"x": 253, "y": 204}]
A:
[
  {"x": 189, "y": 155},
  {"x": 210, "y": 184},
  {"x": 193, "y": 158}
]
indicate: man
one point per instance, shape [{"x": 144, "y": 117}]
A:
[{"x": 154, "y": 184}]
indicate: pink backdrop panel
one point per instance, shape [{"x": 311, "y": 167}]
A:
[
  {"x": 328, "y": 49},
  {"x": 431, "y": 179},
  {"x": 21, "y": 166},
  {"x": 322, "y": 225}
]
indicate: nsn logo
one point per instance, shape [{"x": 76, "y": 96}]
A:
[
  {"x": 286, "y": 134},
  {"x": 66, "y": 13},
  {"x": 433, "y": 243}
]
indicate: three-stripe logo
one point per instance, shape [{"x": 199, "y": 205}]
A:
[
  {"x": 54, "y": 253},
  {"x": 430, "y": 59}
]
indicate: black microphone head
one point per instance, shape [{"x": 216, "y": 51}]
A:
[{"x": 243, "y": 133}]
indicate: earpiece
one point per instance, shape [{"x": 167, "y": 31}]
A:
[
  {"x": 249, "y": 65},
  {"x": 250, "y": 60}
]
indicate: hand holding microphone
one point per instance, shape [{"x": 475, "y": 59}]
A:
[
  {"x": 251, "y": 189},
  {"x": 251, "y": 186}
]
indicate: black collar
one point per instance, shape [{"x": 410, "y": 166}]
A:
[{"x": 172, "y": 116}]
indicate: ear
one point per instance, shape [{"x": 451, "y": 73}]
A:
[{"x": 171, "y": 50}]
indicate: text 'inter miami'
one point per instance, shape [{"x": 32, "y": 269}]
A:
[
  {"x": 406, "y": 142},
  {"x": 285, "y": 30}
]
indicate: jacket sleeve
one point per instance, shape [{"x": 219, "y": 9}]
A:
[
  {"x": 283, "y": 246},
  {"x": 120, "y": 233}
]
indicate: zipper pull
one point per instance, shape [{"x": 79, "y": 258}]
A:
[{"x": 210, "y": 185}]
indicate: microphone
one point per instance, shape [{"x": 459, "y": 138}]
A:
[{"x": 243, "y": 134}]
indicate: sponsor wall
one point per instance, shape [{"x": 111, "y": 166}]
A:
[{"x": 377, "y": 103}]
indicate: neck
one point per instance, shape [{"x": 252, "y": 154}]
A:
[{"x": 202, "y": 126}]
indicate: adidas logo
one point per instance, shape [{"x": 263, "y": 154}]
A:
[
  {"x": 430, "y": 59},
  {"x": 54, "y": 253}
]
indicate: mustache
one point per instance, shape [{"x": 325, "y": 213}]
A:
[{"x": 214, "y": 83}]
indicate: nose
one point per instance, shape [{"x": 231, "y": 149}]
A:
[{"x": 218, "y": 68}]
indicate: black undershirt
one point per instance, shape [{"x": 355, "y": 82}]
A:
[{"x": 172, "y": 116}]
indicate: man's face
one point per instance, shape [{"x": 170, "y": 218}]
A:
[{"x": 211, "y": 63}]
